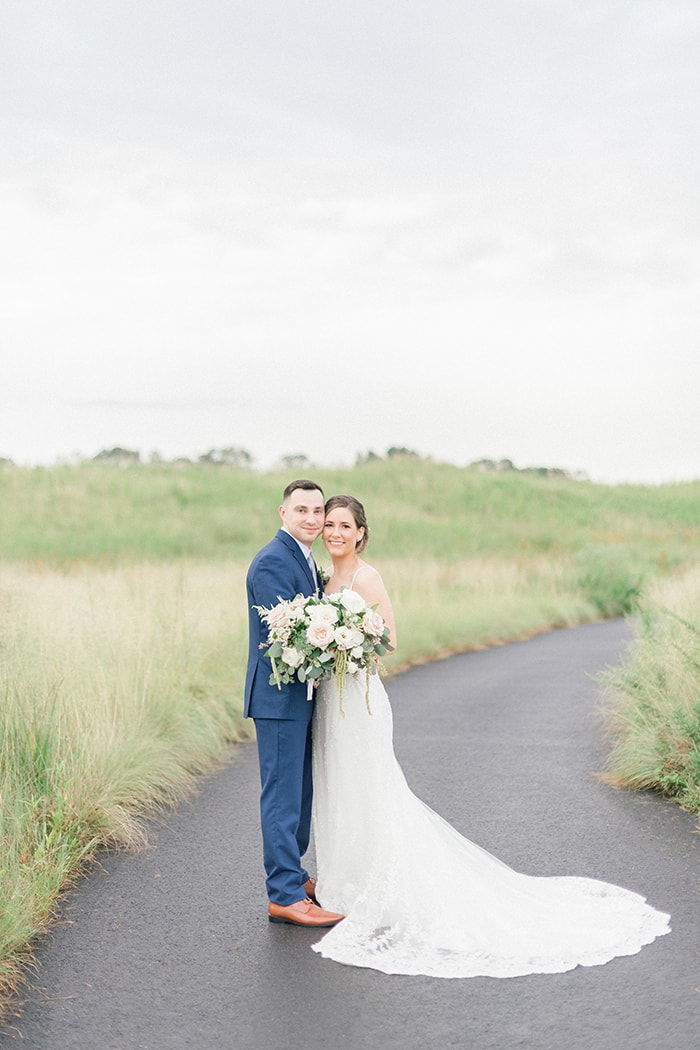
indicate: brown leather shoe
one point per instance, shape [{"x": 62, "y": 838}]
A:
[{"x": 303, "y": 913}]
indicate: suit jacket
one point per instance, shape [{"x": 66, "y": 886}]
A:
[{"x": 279, "y": 570}]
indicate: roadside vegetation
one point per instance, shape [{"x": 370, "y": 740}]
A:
[
  {"x": 653, "y": 712},
  {"x": 123, "y": 625}
]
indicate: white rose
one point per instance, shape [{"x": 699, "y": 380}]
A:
[
  {"x": 292, "y": 657},
  {"x": 347, "y": 637},
  {"x": 352, "y": 667},
  {"x": 357, "y": 652},
  {"x": 352, "y": 601},
  {"x": 322, "y": 614}
]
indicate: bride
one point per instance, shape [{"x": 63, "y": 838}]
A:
[{"x": 417, "y": 896}]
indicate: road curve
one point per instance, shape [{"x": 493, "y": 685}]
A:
[{"x": 170, "y": 948}]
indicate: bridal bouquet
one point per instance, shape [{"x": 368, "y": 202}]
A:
[{"x": 331, "y": 635}]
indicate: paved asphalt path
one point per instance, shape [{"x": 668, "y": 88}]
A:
[{"x": 170, "y": 948}]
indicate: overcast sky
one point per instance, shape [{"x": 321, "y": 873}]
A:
[{"x": 470, "y": 227}]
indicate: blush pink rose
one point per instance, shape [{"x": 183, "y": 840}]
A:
[
  {"x": 320, "y": 634},
  {"x": 373, "y": 623},
  {"x": 279, "y": 616}
]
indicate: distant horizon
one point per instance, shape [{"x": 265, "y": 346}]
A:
[{"x": 489, "y": 464}]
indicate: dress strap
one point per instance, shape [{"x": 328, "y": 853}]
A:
[{"x": 357, "y": 571}]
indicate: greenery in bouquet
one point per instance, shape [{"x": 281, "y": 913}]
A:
[{"x": 335, "y": 635}]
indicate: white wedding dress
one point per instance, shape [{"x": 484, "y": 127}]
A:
[{"x": 418, "y": 897}]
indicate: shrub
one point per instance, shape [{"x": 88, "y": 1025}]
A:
[{"x": 611, "y": 578}]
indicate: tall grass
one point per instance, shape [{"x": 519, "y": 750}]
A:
[
  {"x": 653, "y": 710},
  {"x": 116, "y": 688},
  {"x": 123, "y": 630},
  {"x": 442, "y": 608}
]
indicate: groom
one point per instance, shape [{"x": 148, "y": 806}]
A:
[{"x": 283, "y": 569}]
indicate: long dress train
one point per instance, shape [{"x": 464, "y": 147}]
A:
[{"x": 418, "y": 897}]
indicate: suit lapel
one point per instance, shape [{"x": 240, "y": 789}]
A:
[{"x": 292, "y": 545}]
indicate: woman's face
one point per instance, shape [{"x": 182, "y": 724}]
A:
[{"x": 340, "y": 531}]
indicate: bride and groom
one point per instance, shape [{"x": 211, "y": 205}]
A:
[{"x": 399, "y": 889}]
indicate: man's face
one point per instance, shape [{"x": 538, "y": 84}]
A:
[{"x": 303, "y": 514}]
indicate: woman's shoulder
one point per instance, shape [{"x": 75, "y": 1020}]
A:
[
  {"x": 368, "y": 582},
  {"x": 365, "y": 570}
]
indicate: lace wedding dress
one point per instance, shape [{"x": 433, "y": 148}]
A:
[{"x": 418, "y": 897}]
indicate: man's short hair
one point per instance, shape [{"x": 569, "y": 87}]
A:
[{"x": 302, "y": 483}]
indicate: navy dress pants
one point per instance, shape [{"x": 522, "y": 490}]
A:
[{"x": 284, "y": 753}]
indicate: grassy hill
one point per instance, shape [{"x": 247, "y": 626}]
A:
[{"x": 103, "y": 513}]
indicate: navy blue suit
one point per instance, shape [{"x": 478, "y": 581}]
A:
[{"x": 282, "y": 724}]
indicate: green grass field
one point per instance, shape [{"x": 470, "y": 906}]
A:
[
  {"x": 123, "y": 629},
  {"x": 100, "y": 513}
]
